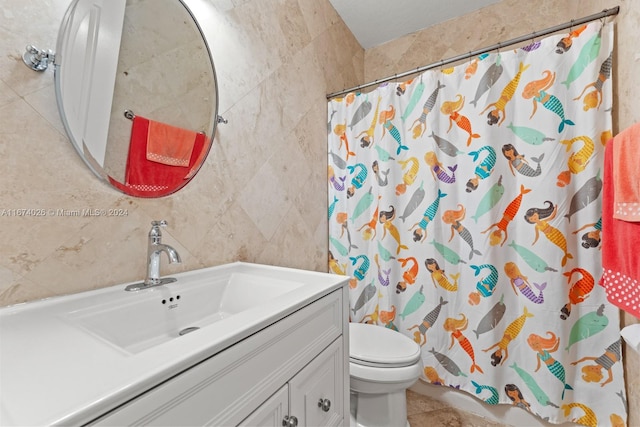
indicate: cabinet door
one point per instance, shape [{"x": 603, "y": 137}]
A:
[
  {"x": 316, "y": 392},
  {"x": 270, "y": 413}
]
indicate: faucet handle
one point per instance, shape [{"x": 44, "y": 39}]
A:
[{"x": 155, "y": 234}]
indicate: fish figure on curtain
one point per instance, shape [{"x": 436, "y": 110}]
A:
[{"x": 466, "y": 207}]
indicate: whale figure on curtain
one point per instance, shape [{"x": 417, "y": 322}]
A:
[
  {"x": 451, "y": 256},
  {"x": 588, "y": 54},
  {"x": 489, "y": 78},
  {"x": 490, "y": 320},
  {"x": 588, "y": 193},
  {"x": 529, "y": 135},
  {"x": 489, "y": 200},
  {"x": 415, "y": 97},
  {"x": 446, "y": 146}
]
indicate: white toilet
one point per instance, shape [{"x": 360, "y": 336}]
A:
[{"x": 382, "y": 363}]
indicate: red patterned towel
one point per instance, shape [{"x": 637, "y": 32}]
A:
[{"x": 620, "y": 242}]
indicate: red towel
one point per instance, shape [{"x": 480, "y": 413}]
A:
[
  {"x": 626, "y": 174},
  {"x": 144, "y": 178},
  {"x": 620, "y": 241},
  {"x": 169, "y": 145}
]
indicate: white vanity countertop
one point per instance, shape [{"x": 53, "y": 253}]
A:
[{"x": 52, "y": 372}]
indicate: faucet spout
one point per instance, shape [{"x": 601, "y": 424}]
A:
[{"x": 172, "y": 254}]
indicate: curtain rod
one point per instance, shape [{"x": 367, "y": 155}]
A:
[{"x": 497, "y": 46}]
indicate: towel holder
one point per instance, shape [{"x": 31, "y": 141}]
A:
[
  {"x": 130, "y": 115},
  {"x": 37, "y": 59}
]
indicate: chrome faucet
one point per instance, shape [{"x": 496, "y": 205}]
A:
[{"x": 154, "y": 249}]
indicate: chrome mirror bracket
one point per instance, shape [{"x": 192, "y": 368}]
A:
[{"x": 36, "y": 59}]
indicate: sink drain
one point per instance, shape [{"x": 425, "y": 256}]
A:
[{"x": 185, "y": 331}]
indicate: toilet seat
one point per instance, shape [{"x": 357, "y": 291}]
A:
[{"x": 376, "y": 346}]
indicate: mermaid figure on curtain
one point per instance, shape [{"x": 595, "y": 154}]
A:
[
  {"x": 451, "y": 108},
  {"x": 539, "y": 217},
  {"x": 544, "y": 347},
  {"x": 455, "y": 327},
  {"x": 420, "y": 228},
  {"x": 484, "y": 169},
  {"x": 454, "y": 218},
  {"x": 520, "y": 281},
  {"x": 519, "y": 163},
  {"x": 591, "y": 239},
  {"x": 500, "y": 235},
  {"x": 386, "y": 219},
  {"x": 536, "y": 90},
  {"x": 593, "y": 373},
  {"x": 500, "y": 355},
  {"x": 439, "y": 277},
  {"x": 498, "y": 114}
]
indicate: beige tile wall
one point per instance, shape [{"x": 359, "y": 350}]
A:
[
  {"x": 507, "y": 20},
  {"x": 261, "y": 196}
]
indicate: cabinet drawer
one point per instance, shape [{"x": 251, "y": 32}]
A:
[{"x": 224, "y": 389}]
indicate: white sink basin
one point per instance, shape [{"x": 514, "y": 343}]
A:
[{"x": 139, "y": 320}]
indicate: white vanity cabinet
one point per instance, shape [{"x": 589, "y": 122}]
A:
[{"x": 292, "y": 372}]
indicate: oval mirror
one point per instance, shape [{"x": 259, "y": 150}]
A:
[{"x": 137, "y": 93}]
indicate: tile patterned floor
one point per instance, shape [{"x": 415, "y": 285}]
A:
[{"x": 423, "y": 411}]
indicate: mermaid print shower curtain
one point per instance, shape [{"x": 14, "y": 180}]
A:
[{"x": 465, "y": 204}]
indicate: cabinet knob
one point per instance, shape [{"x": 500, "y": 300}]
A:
[
  {"x": 324, "y": 404},
  {"x": 289, "y": 421}
]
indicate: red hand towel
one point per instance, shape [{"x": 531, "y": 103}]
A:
[
  {"x": 144, "y": 178},
  {"x": 169, "y": 145},
  {"x": 626, "y": 174},
  {"x": 620, "y": 241}
]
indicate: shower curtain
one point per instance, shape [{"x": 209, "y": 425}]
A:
[{"x": 465, "y": 204}]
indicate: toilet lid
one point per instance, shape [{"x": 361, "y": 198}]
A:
[{"x": 374, "y": 345}]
